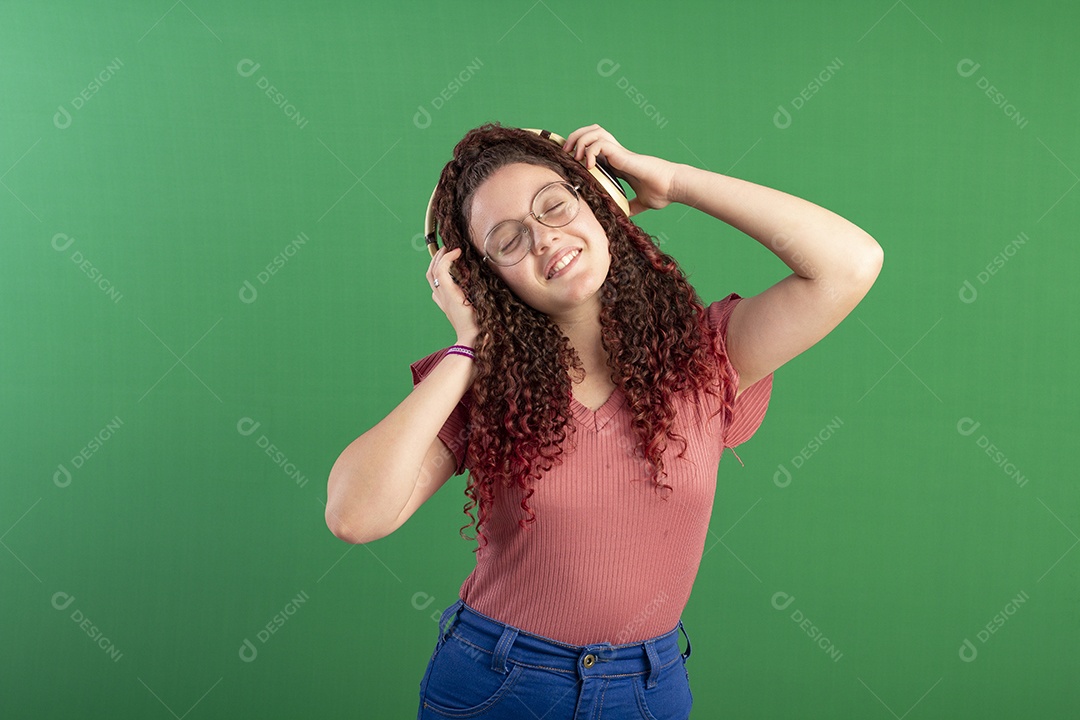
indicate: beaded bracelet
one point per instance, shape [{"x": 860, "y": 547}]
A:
[{"x": 461, "y": 350}]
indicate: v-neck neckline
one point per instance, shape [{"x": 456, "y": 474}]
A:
[{"x": 595, "y": 420}]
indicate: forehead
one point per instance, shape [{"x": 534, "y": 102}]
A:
[{"x": 507, "y": 194}]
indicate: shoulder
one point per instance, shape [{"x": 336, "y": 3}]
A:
[{"x": 718, "y": 313}]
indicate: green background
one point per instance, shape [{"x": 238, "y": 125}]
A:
[{"x": 900, "y": 536}]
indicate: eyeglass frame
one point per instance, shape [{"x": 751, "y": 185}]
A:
[{"x": 577, "y": 196}]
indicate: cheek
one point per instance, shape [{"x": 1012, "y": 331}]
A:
[{"x": 514, "y": 280}]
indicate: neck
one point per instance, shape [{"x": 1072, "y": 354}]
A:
[{"x": 582, "y": 329}]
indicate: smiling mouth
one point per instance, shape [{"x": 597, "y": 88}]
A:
[{"x": 563, "y": 262}]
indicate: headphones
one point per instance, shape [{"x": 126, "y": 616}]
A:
[{"x": 602, "y": 171}]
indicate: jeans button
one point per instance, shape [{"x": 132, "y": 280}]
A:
[{"x": 589, "y": 660}]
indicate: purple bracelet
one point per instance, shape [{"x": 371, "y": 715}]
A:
[{"x": 461, "y": 350}]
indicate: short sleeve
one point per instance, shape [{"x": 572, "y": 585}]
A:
[
  {"x": 752, "y": 403},
  {"x": 455, "y": 431}
]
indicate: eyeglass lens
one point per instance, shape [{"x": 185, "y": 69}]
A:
[{"x": 555, "y": 205}]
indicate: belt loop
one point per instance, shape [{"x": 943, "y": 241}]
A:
[
  {"x": 502, "y": 649},
  {"x": 444, "y": 627},
  {"x": 687, "y": 653},
  {"x": 654, "y": 664}
]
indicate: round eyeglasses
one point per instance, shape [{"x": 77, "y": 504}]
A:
[{"x": 510, "y": 241}]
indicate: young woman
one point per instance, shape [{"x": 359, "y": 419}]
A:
[{"x": 590, "y": 394}]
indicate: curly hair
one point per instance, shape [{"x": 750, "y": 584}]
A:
[{"x": 653, "y": 328}]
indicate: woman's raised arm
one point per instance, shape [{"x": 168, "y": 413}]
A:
[
  {"x": 834, "y": 262},
  {"x": 384, "y": 475}
]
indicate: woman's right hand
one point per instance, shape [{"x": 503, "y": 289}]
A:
[{"x": 450, "y": 298}]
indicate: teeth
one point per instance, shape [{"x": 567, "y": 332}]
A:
[{"x": 564, "y": 262}]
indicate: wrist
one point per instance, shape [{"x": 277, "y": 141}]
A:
[{"x": 677, "y": 184}]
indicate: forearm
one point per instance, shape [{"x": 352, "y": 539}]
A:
[
  {"x": 815, "y": 243},
  {"x": 374, "y": 477}
]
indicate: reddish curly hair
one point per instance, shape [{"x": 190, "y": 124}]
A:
[{"x": 653, "y": 328}]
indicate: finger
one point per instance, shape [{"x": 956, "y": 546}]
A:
[
  {"x": 572, "y": 138},
  {"x": 436, "y": 259},
  {"x": 443, "y": 272},
  {"x": 449, "y": 257},
  {"x": 578, "y": 139},
  {"x": 591, "y": 144},
  {"x": 581, "y": 147},
  {"x": 433, "y": 268}
]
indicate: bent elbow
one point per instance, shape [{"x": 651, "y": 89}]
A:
[
  {"x": 351, "y": 530},
  {"x": 873, "y": 259}
]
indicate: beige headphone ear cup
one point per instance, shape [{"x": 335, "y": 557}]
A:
[
  {"x": 430, "y": 236},
  {"x": 607, "y": 180}
]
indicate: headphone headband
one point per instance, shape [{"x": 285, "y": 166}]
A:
[{"x": 602, "y": 171}]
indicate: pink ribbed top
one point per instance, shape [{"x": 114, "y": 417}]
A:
[{"x": 607, "y": 559}]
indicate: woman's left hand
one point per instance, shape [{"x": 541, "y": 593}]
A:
[{"x": 650, "y": 177}]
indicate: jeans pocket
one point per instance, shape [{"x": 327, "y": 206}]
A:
[
  {"x": 461, "y": 683},
  {"x": 670, "y": 699}
]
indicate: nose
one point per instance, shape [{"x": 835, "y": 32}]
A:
[{"x": 542, "y": 235}]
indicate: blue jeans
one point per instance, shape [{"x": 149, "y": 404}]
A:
[{"x": 484, "y": 669}]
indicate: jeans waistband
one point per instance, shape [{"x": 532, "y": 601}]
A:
[{"x": 506, "y": 642}]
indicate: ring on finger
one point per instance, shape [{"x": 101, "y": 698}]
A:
[{"x": 436, "y": 282}]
